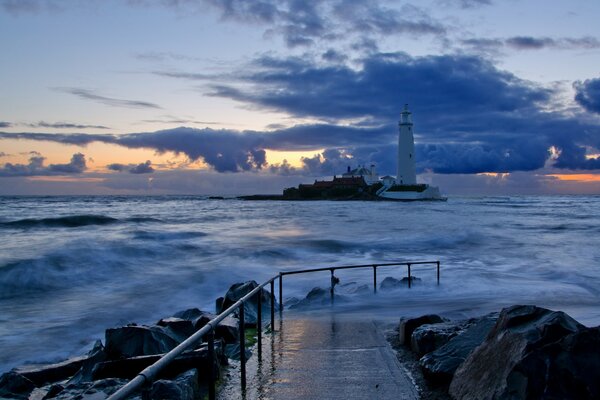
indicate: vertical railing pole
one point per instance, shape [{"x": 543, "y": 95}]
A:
[
  {"x": 242, "y": 333},
  {"x": 438, "y": 272},
  {"x": 259, "y": 323},
  {"x": 280, "y": 292},
  {"x": 409, "y": 279},
  {"x": 375, "y": 279},
  {"x": 272, "y": 306},
  {"x": 332, "y": 285},
  {"x": 211, "y": 364}
]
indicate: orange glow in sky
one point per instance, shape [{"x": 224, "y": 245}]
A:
[{"x": 577, "y": 177}]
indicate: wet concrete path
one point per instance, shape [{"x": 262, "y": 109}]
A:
[{"x": 329, "y": 357}]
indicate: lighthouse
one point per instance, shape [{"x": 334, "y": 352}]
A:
[{"x": 406, "y": 174}]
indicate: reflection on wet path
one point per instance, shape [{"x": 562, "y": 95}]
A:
[{"x": 328, "y": 357}]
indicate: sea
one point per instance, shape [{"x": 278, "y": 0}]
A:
[{"x": 70, "y": 267}]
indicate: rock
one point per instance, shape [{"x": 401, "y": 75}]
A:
[
  {"x": 177, "y": 328},
  {"x": 186, "y": 386},
  {"x": 130, "y": 367},
  {"x": 532, "y": 353},
  {"x": 227, "y": 330},
  {"x": 15, "y": 385},
  {"x": 317, "y": 297},
  {"x": 354, "y": 288},
  {"x": 390, "y": 283},
  {"x": 439, "y": 365},
  {"x": 408, "y": 325},
  {"x": 49, "y": 373},
  {"x": 133, "y": 340},
  {"x": 239, "y": 290},
  {"x": 429, "y": 337},
  {"x": 95, "y": 356},
  {"x": 90, "y": 390}
]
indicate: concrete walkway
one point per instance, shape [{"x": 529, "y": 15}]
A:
[{"x": 329, "y": 357}]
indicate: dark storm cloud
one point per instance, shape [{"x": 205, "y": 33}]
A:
[
  {"x": 470, "y": 117},
  {"x": 588, "y": 94},
  {"x": 301, "y": 23},
  {"x": 64, "y": 125},
  {"x": 90, "y": 95},
  {"x": 433, "y": 84},
  {"x": 79, "y": 139},
  {"x": 36, "y": 167},
  {"x": 4, "y": 124},
  {"x": 141, "y": 168},
  {"x": 523, "y": 43}
]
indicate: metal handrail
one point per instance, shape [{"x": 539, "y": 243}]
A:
[{"x": 149, "y": 374}]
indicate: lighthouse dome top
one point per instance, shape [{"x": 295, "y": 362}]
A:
[{"x": 405, "y": 116}]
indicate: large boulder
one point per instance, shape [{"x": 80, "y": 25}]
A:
[
  {"x": 95, "y": 356},
  {"x": 41, "y": 374},
  {"x": 532, "y": 353},
  {"x": 439, "y": 365},
  {"x": 138, "y": 340},
  {"x": 177, "y": 328},
  {"x": 408, "y": 325},
  {"x": 227, "y": 330},
  {"x": 100, "y": 389},
  {"x": 239, "y": 290},
  {"x": 15, "y": 386},
  {"x": 429, "y": 337},
  {"x": 391, "y": 283},
  {"x": 185, "y": 387},
  {"x": 317, "y": 298}
]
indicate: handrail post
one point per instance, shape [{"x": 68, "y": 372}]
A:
[
  {"x": 211, "y": 363},
  {"x": 332, "y": 285},
  {"x": 409, "y": 279},
  {"x": 375, "y": 279},
  {"x": 272, "y": 306},
  {"x": 259, "y": 323},
  {"x": 280, "y": 292},
  {"x": 438, "y": 272},
  {"x": 242, "y": 334}
]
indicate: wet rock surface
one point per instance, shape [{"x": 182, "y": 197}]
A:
[
  {"x": 532, "y": 353},
  {"x": 408, "y": 325},
  {"x": 138, "y": 340},
  {"x": 441, "y": 364},
  {"x": 391, "y": 283},
  {"x": 429, "y": 337},
  {"x": 239, "y": 290}
]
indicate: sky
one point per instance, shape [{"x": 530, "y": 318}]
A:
[{"x": 226, "y": 97}]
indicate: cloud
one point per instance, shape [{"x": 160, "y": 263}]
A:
[
  {"x": 4, "y": 124},
  {"x": 588, "y": 94},
  {"x": 90, "y": 95},
  {"x": 303, "y": 23},
  {"x": 17, "y": 7},
  {"x": 470, "y": 117},
  {"x": 465, "y": 3},
  {"x": 141, "y": 168},
  {"x": 524, "y": 43},
  {"x": 36, "y": 167},
  {"x": 64, "y": 125}
]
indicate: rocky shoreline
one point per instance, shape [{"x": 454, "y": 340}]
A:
[
  {"x": 128, "y": 349},
  {"x": 521, "y": 352}
]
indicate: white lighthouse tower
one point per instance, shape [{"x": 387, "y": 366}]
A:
[
  {"x": 406, "y": 173},
  {"x": 405, "y": 186}
]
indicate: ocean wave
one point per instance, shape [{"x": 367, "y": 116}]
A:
[
  {"x": 167, "y": 236},
  {"x": 70, "y": 221}
]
